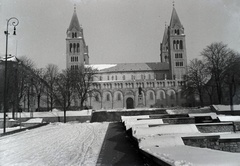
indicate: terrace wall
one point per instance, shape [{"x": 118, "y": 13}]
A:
[
  {"x": 214, "y": 142},
  {"x": 215, "y": 128}
]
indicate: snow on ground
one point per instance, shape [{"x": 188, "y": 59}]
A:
[
  {"x": 229, "y": 118},
  {"x": 213, "y": 115},
  {"x": 130, "y": 124},
  {"x": 193, "y": 156},
  {"x": 226, "y": 107},
  {"x": 34, "y": 120},
  {"x": 54, "y": 113},
  {"x": 11, "y": 129},
  {"x": 55, "y": 144},
  {"x": 165, "y": 130},
  {"x": 188, "y": 110}
]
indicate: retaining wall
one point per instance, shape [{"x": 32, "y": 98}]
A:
[
  {"x": 214, "y": 142},
  {"x": 215, "y": 128}
]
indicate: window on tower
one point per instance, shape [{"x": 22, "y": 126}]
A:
[
  {"x": 181, "y": 44},
  {"x": 70, "y": 47},
  {"x": 179, "y": 64},
  {"x": 78, "y": 47},
  {"x": 74, "y": 47},
  {"x": 174, "y": 44}
]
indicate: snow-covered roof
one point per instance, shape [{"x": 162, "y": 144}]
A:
[
  {"x": 101, "y": 66},
  {"x": 9, "y": 58},
  {"x": 129, "y": 67}
]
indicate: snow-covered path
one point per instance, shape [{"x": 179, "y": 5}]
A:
[{"x": 54, "y": 144}]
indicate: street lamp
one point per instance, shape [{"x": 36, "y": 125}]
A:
[{"x": 14, "y": 22}]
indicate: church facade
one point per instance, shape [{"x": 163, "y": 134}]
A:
[{"x": 133, "y": 85}]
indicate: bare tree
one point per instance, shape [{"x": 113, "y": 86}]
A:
[
  {"x": 63, "y": 90},
  {"x": 218, "y": 56},
  {"x": 51, "y": 77},
  {"x": 82, "y": 79},
  {"x": 232, "y": 79},
  {"x": 39, "y": 85},
  {"x": 196, "y": 79},
  {"x": 25, "y": 80}
]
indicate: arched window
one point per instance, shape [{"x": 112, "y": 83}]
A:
[
  {"x": 119, "y": 97},
  {"x": 149, "y": 76},
  {"x": 100, "y": 78},
  {"x": 151, "y": 95},
  {"x": 116, "y": 77},
  {"x": 77, "y": 47},
  {"x": 123, "y": 77},
  {"x": 97, "y": 97},
  {"x": 72, "y": 35},
  {"x": 172, "y": 96},
  {"x": 177, "y": 45},
  {"x": 70, "y": 47},
  {"x": 181, "y": 44},
  {"x": 108, "y": 97},
  {"x": 75, "y": 34},
  {"x": 74, "y": 47},
  {"x": 174, "y": 44},
  {"x": 162, "y": 95}
]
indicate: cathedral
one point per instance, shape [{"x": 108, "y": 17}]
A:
[{"x": 134, "y": 85}]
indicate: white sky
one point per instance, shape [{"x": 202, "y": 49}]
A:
[{"x": 116, "y": 31}]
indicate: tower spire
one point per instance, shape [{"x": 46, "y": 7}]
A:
[
  {"x": 74, "y": 7},
  {"x": 173, "y": 3},
  {"x": 175, "y": 19},
  {"x": 74, "y": 21}
]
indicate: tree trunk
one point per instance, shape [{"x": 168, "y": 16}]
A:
[
  {"x": 231, "y": 96},
  {"x": 65, "y": 111},
  {"x": 38, "y": 100}
]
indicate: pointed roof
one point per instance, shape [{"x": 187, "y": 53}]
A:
[
  {"x": 165, "y": 36},
  {"x": 74, "y": 22},
  {"x": 175, "y": 19}
]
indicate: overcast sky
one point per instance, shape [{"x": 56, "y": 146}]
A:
[{"x": 116, "y": 31}]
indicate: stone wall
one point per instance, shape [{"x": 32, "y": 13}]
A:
[
  {"x": 215, "y": 128},
  {"x": 214, "y": 142},
  {"x": 236, "y": 126},
  {"x": 188, "y": 120}
]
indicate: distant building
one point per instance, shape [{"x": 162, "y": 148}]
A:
[
  {"x": 11, "y": 83},
  {"x": 132, "y": 85}
]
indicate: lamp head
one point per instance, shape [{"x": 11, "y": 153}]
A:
[{"x": 14, "y": 31}]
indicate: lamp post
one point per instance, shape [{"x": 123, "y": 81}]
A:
[{"x": 11, "y": 21}]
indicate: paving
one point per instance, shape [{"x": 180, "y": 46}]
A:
[{"x": 117, "y": 149}]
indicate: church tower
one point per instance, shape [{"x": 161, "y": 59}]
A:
[
  {"x": 164, "y": 57},
  {"x": 173, "y": 47},
  {"x": 76, "y": 48},
  {"x": 177, "y": 47}
]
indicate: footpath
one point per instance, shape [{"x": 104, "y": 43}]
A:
[{"x": 117, "y": 149}]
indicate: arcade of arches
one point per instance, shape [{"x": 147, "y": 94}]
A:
[{"x": 129, "y": 98}]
